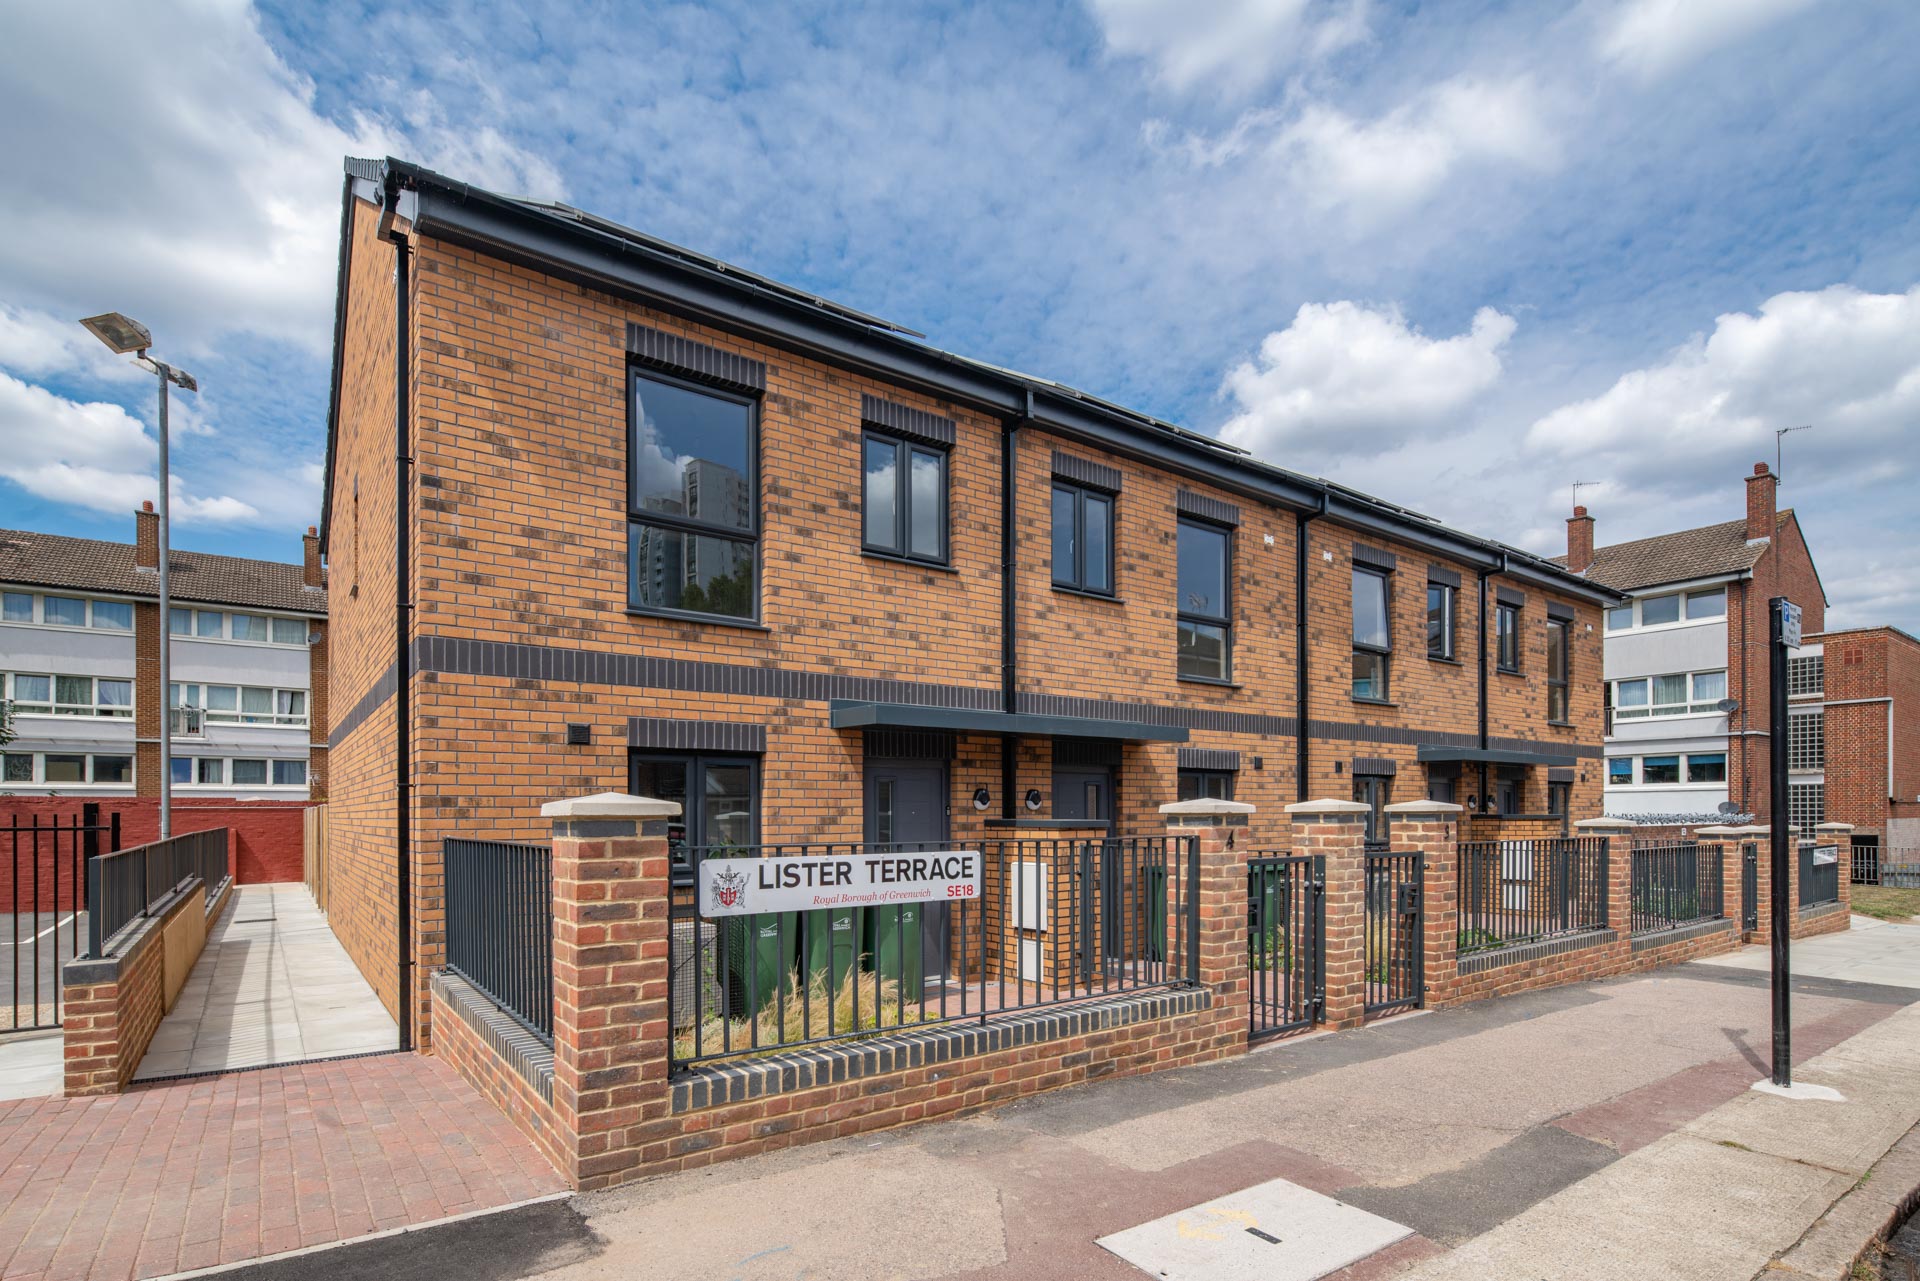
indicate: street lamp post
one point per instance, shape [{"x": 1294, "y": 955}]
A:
[{"x": 125, "y": 335}]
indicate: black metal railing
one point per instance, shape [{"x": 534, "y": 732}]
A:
[
  {"x": 499, "y": 903},
  {"x": 46, "y": 894},
  {"x": 129, "y": 885},
  {"x": 1395, "y": 942},
  {"x": 1866, "y": 862},
  {"x": 1056, "y": 921},
  {"x": 1749, "y": 886},
  {"x": 1900, "y": 869},
  {"x": 1522, "y": 891},
  {"x": 1674, "y": 883},
  {"x": 1286, "y": 924},
  {"x": 1819, "y": 874}
]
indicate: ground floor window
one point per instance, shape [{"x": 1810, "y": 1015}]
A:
[
  {"x": 1557, "y": 798},
  {"x": 1375, "y": 791},
  {"x": 719, "y": 798},
  {"x": 1806, "y": 806},
  {"x": 1206, "y": 785}
]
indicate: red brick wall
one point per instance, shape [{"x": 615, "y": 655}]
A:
[
  {"x": 266, "y": 844},
  {"x": 1785, "y": 569},
  {"x": 1870, "y": 664}
]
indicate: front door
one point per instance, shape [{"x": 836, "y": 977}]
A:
[
  {"x": 1083, "y": 795},
  {"x": 907, "y": 808}
]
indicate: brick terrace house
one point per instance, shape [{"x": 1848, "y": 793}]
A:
[
  {"x": 1686, "y": 662},
  {"x": 662, "y": 526},
  {"x": 80, "y": 664}
]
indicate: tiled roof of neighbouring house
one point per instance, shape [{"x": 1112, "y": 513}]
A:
[
  {"x": 1676, "y": 557},
  {"x": 92, "y": 564}
]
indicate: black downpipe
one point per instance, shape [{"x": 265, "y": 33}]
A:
[
  {"x": 1302, "y": 754},
  {"x": 402, "y": 657},
  {"x": 1009, "y": 639},
  {"x": 1482, "y": 646}
]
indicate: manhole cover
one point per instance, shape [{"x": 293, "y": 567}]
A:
[{"x": 1277, "y": 1231}]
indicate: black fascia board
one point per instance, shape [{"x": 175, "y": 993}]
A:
[
  {"x": 600, "y": 259},
  {"x": 856, "y": 714}
]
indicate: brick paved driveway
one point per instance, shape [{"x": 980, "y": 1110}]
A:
[{"x": 192, "y": 1173}]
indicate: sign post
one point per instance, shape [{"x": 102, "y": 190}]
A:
[{"x": 1784, "y": 634}]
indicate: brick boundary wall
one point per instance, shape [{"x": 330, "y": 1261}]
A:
[
  {"x": 113, "y": 1006},
  {"x": 605, "y": 1111},
  {"x": 267, "y": 841},
  {"x": 1452, "y": 980}
]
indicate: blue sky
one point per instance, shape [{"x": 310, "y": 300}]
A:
[{"x": 1457, "y": 255}]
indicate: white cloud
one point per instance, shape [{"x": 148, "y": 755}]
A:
[
  {"x": 1371, "y": 171},
  {"x": 1845, "y": 361},
  {"x": 92, "y": 455},
  {"x": 1232, "y": 45},
  {"x": 35, "y": 345},
  {"x": 1654, "y": 37},
  {"x": 1344, "y": 376},
  {"x": 198, "y": 189}
]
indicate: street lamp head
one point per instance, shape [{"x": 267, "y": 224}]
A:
[{"x": 119, "y": 332}]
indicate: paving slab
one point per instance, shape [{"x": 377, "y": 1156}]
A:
[
  {"x": 1274, "y": 1231},
  {"x": 1881, "y": 952},
  {"x": 272, "y": 986}
]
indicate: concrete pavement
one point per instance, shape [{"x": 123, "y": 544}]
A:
[{"x": 1870, "y": 951}]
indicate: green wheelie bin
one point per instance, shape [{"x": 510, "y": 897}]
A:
[{"x": 761, "y": 951}]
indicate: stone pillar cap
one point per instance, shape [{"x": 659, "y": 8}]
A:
[
  {"x": 1751, "y": 829},
  {"x": 1327, "y": 805},
  {"x": 609, "y": 805},
  {"x": 1718, "y": 831},
  {"x": 1205, "y": 806},
  {"x": 1430, "y": 809},
  {"x": 1604, "y": 824},
  {"x": 1834, "y": 827}
]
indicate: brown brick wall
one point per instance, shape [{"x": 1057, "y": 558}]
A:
[
  {"x": 360, "y": 648},
  {"x": 1870, "y": 664}
]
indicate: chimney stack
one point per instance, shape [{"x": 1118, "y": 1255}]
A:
[
  {"x": 1579, "y": 541},
  {"x": 313, "y": 575},
  {"x": 146, "y": 538},
  {"x": 1762, "y": 500}
]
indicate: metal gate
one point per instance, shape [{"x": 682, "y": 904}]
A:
[
  {"x": 1394, "y": 959},
  {"x": 46, "y": 860},
  {"x": 1285, "y": 928},
  {"x": 1749, "y": 887}
]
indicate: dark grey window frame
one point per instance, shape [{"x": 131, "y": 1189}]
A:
[
  {"x": 1203, "y": 777},
  {"x": 693, "y": 818},
  {"x": 665, "y": 520},
  {"x": 1563, "y": 686},
  {"x": 1506, "y": 626},
  {"x": 1384, "y": 651},
  {"x": 1450, "y": 634},
  {"x": 904, "y": 449},
  {"x": 1081, "y": 494},
  {"x": 1225, "y": 619}
]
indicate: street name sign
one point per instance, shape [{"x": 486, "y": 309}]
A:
[{"x": 745, "y": 886}]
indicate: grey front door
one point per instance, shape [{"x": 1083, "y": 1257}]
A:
[
  {"x": 907, "y": 806},
  {"x": 1083, "y": 794}
]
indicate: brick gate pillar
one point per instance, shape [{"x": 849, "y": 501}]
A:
[
  {"x": 1433, "y": 828},
  {"x": 610, "y": 1021},
  {"x": 1619, "y": 837},
  {"x": 1337, "y": 831},
  {"x": 1221, "y": 829},
  {"x": 1755, "y": 838}
]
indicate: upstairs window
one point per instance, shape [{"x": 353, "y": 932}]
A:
[
  {"x": 1708, "y": 604},
  {"x": 904, "y": 496},
  {"x": 1082, "y": 539},
  {"x": 1807, "y": 741},
  {"x": 34, "y": 692},
  {"x": 1206, "y": 785},
  {"x": 1659, "y": 609},
  {"x": 692, "y": 500},
  {"x": 1506, "y": 630},
  {"x": 1440, "y": 608},
  {"x": 1559, "y": 659},
  {"x": 1205, "y": 627},
  {"x": 1620, "y": 771},
  {"x": 1620, "y": 617},
  {"x": 1806, "y": 675},
  {"x": 1372, "y": 638}
]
